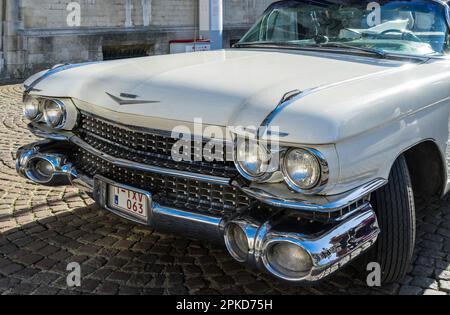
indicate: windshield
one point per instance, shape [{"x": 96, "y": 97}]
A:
[{"x": 415, "y": 27}]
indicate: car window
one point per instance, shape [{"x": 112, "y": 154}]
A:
[{"x": 412, "y": 27}]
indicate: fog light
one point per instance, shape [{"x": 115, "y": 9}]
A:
[
  {"x": 237, "y": 242},
  {"x": 288, "y": 261}
]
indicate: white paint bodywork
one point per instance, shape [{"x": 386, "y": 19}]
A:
[{"x": 360, "y": 112}]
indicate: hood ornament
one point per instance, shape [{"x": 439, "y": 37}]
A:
[{"x": 129, "y": 99}]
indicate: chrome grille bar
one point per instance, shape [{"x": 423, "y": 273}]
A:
[{"x": 148, "y": 168}]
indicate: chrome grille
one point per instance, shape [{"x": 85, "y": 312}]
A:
[
  {"x": 154, "y": 148},
  {"x": 170, "y": 191},
  {"x": 151, "y": 147}
]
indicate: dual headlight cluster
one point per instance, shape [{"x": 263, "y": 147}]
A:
[
  {"x": 303, "y": 169},
  {"x": 52, "y": 111}
]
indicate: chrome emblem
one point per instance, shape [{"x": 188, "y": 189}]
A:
[{"x": 129, "y": 99}]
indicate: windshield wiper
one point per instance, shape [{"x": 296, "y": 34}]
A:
[
  {"x": 379, "y": 53},
  {"x": 373, "y": 51},
  {"x": 259, "y": 44}
]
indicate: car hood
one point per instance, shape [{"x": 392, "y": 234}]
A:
[{"x": 222, "y": 88}]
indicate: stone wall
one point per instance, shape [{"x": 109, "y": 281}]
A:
[{"x": 37, "y": 34}]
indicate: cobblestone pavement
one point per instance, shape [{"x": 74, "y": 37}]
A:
[{"x": 43, "y": 229}]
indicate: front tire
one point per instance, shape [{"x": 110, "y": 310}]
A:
[{"x": 395, "y": 208}]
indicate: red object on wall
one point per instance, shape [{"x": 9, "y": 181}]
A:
[
  {"x": 185, "y": 41},
  {"x": 189, "y": 45}
]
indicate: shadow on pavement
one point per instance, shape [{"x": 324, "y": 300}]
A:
[{"x": 118, "y": 257}]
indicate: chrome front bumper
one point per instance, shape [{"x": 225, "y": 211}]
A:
[{"x": 330, "y": 246}]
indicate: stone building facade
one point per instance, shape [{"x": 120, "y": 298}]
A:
[{"x": 39, "y": 34}]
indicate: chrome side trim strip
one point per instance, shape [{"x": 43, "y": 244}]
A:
[{"x": 148, "y": 168}]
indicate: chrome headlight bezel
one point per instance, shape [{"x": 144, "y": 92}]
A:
[
  {"x": 61, "y": 107},
  {"x": 323, "y": 172}
]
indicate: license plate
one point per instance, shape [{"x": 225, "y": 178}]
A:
[{"x": 128, "y": 201}]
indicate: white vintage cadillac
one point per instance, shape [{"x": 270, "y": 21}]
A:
[{"x": 333, "y": 117}]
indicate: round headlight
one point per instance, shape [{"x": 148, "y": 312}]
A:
[
  {"x": 54, "y": 113},
  {"x": 252, "y": 158},
  {"x": 32, "y": 109},
  {"x": 288, "y": 260},
  {"x": 301, "y": 169}
]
